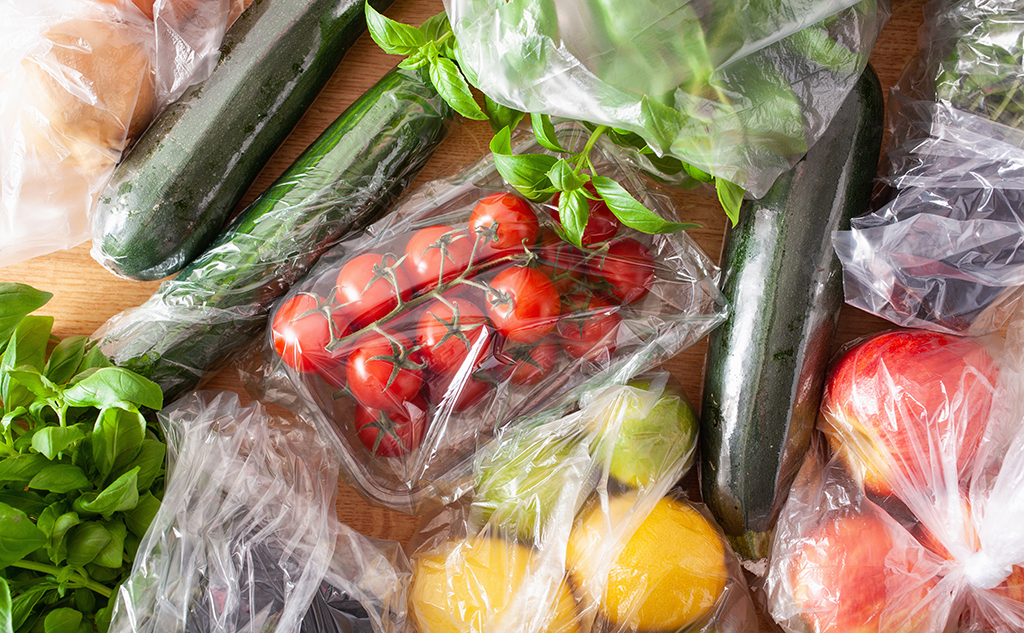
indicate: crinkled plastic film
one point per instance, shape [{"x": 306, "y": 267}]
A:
[
  {"x": 426, "y": 463},
  {"x": 945, "y": 253},
  {"x": 738, "y": 89},
  {"x": 915, "y": 522},
  {"x": 246, "y": 538},
  {"x": 553, "y": 540},
  {"x": 80, "y": 81}
]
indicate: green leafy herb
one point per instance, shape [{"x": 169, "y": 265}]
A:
[{"x": 77, "y": 470}]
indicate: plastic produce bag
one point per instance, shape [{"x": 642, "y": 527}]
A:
[
  {"x": 246, "y": 538},
  {"x": 409, "y": 390},
  {"x": 572, "y": 527},
  {"x": 946, "y": 252},
  {"x": 738, "y": 89},
  {"x": 915, "y": 524},
  {"x": 80, "y": 80}
]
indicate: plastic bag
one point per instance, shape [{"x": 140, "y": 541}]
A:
[
  {"x": 80, "y": 80},
  {"x": 915, "y": 524},
  {"x": 461, "y": 366},
  {"x": 246, "y": 538},
  {"x": 946, "y": 252},
  {"x": 572, "y": 527},
  {"x": 737, "y": 89}
]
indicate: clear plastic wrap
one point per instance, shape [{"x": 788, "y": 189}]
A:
[
  {"x": 946, "y": 252},
  {"x": 410, "y": 389},
  {"x": 915, "y": 523},
  {"x": 556, "y": 537},
  {"x": 246, "y": 538},
  {"x": 80, "y": 80},
  {"x": 738, "y": 89}
]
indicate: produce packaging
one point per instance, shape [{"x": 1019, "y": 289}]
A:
[
  {"x": 738, "y": 90},
  {"x": 572, "y": 526},
  {"x": 351, "y": 175},
  {"x": 463, "y": 310},
  {"x": 945, "y": 253},
  {"x": 246, "y": 538},
  {"x": 80, "y": 81},
  {"x": 915, "y": 522},
  {"x": 765, "y": 366}
]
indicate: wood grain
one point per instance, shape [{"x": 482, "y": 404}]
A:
[{"x": 86, "y": 295}]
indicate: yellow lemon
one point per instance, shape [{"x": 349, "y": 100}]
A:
[
  {"x": 471, "y": 586},
  {"x": 669, "y": 571}
]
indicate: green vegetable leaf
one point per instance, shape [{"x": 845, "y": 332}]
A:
[
  {"x": 65, "y": 359},
  {"x": 16, "y": 301},
  {"x": 112, "y": 555},
  {"x": 57, "y": 548},
  {"x": 436, "y": 27},
  {"x": 114, "y": 387},
  {"x": 62, "y": 620},
  {"x": 116, "y": 439},
  {"x": 103, "y": 617},
  {"x": 544, "y": 130},
  {"x": 52, "y": 440},
  {"x": 393, "y": 37},
  {"x": 85, "y": 600},
  {"x": 563, "y": 176},
  {"x": 11, "y": 416},
  {"x": 454, "y": 88},
  {"x": 19, "y": 537},
  {"x": 528, "y": 173},
  {"x": 60, "y": 478},
  {"x": 27, "y": 346},
  {"x": 501, "y": 116},
  {"x": 24, "y": 603},
  {"x": 501, "y": 143},
  {"x": 6, "y": 608},
  {"x": 94, "y": 359},
  {"x": 85, "y": 543},
  {"x": 731, "y": 197},
  {"x": 632, "y": 213},
  {"x": 660, "y": 122},
  {"x": 697, "y": 174},
  {"x": 119, "y": 496},
  {"x": 22, "y": 467},
  {"x": 573, "y": 212},
  {"x": 139, "y": 518},
  {"x": 36, "y": 383},
  {"x": 149, "y": 461}
]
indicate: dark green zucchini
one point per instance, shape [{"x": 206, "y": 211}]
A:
[
  {"x": 765, "y": 367},
  {"x": 172, "y": 194},
  {"x": 350, "y": 176}
]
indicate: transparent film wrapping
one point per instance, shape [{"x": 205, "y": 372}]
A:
[
  {"x": 945, "y": 252},
  {"x": 509, "y": 330},
  {"x": 246, "y": 537},
  {"x": 914, "y": 522},
  {"x": 738, "y": 89},
  {"x": 574, "y": 525}
]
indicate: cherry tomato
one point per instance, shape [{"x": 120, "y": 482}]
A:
[
  {"x": 437, "y": 253},
  {"x": 392, "y": 432},
  {"x": 523, "y": 304},
  {"x": 449, "y": 330},
  {"x": 459, "y": 397},
  {"x": 528, "y": 364},
  {"x": 507, "y": 219},
  {"x": 628, "y": 267},
  {"x": 301, "y": 331},
  {"x": 602, "y": 225},
  {"x": 369, "y": 286},
  {"x": 383, "y": 372},
  {"x": 588, "y": 326}
]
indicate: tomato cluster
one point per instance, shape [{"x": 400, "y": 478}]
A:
[{"x": 459, "y": 310}]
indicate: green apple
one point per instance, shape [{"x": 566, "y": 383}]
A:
[{"x": 649, "y": 442}]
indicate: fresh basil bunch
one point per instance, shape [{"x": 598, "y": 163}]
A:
[
  {"x": 536, "y": 176},
  {"x": 81, "y": 474}
]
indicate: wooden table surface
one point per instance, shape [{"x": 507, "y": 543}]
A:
[{"x": 86, "y": 295}]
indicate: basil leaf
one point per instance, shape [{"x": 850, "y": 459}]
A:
[
  {"x": 544, "y": 130},
  {"x": 697, "y": 174},
  {"x": 501, "y": 143},
  {"x": 94, "y": 359},
  {"x": 730, "y": 195},
  {"x": 27, "y": 346},
  {"x": 563, "y": 177},
  {"x": 103, "y": 617},
  {"x": 501, "y": 116},
  {"x": 660, "y": 122},
  {"x": 6, "y": 608},
  {"x": 393, "y": 37},
  {"x": 19, "y": 537},
  {"x": 114, "y": 387},
  {"x": 573, "y": 212},
  {"x": 116, "y": 439},
  {"x": 58, "y": 548},
  {"x": 112, "y": 556},
  {"x": 65, "y": 359},
  {"x": 27, "y": 501},
  {"x": 62, "y": 620},
  {"x": 149, "y": 461},
  {"x": 436, "y": 27},
  {"x": 23, "y": 604},
  {"x": 139, "y": 518},
  {"x": 52, "y": 440},
  {"x": 119, "y": 496},
  {"x": 17, "y": 301},
  {"x": 632, "y": 213},
  {"x": 22, "y": 467},
  {"x": 11, "y": 416},
  {"x": 85, "y": 542},
  {"x": 60, "y": 478},
  {"x": 85, "y": 600},
  {"x": 453, "y": 88},
  {"x": 528, "y": 173},
  {"x": 35, "y": 382}
]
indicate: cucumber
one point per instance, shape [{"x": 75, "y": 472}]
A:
[
  {"x": 170, "y": 197},
  {"x": 350, "y": 176},
  {"x": 765, "y": 367}
]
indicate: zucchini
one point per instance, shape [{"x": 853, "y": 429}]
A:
[
  {"x": 350, "y": 176},
  {"x": 170, "y": 197},
  {"x": 765, "y": 367}
]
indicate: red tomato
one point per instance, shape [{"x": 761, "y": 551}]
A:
[
  {"x": 602, "y": 225},
  {"x": 384, "y": 372},
  {"x": 528, "y": 364},
  {"x": 301, "y": 331},
  {"x": 369, "y": 286},
  {"x": 506, "y": 219},
  {"x": 523, "y": 304},
  {"x": 445, "y": 392},
  {"x": 392, "y": 432},
  {"x": 436, "y": 253},
  {"x": 588, "y": 326},
  {"x": 628, "y": 267},
  {"x": 449, "y": 330}
]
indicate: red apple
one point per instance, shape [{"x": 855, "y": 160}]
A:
[
  {"x": 900, "y": 402},
  {"x": 851, "y": 575}
]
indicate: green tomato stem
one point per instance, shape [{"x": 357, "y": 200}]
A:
[{"x": 52, "y": 570}]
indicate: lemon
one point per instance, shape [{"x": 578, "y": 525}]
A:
[
  {"x": 470, "y": 586},
  {"x": 669, "y": 572}
]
